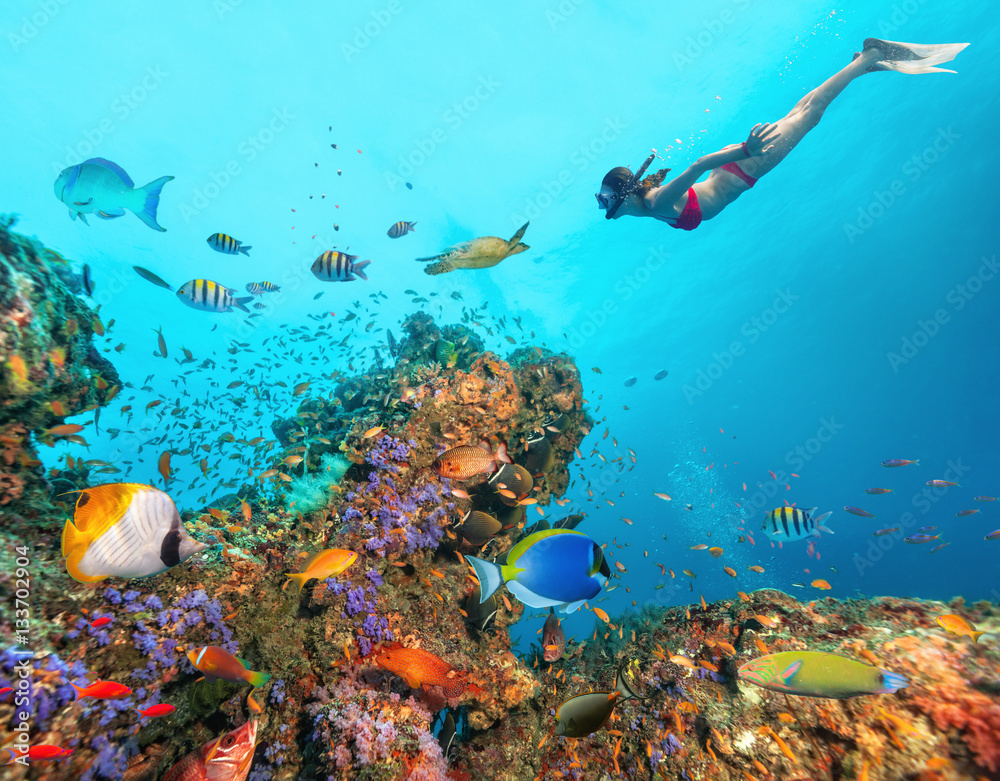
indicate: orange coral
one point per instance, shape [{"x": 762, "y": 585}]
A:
[
  {"x": 974, "y": 714},
  {"x": 11, "y": 488}
]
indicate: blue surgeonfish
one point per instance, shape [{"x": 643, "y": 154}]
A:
[
  {"x": 98, "y": 186},
  {"x": 558, "y": 568}
]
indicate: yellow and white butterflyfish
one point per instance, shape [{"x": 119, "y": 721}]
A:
[{"x": 125, "y": 530}]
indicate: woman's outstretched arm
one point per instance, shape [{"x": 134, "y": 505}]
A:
[{"x": 661, "y": 200}]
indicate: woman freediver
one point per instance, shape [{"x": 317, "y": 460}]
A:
[{"x": 684, "y": 202}]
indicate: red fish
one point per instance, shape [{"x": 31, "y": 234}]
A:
[
  {"x": 102, "y": 621},
  {"x": 465, "y": 461},
  {"x": 5, "y": 691},
  {"x": 553, "y": 639},
  {"x": 103, "y": 690},
  {"x": 41, "y": 752},
  {"x": 227, "y": 758},
  {"x": 164, "y": 709},
  {"x": 422, "y": 668}
]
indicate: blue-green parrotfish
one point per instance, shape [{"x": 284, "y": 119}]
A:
[{"x": 98, "y": 186}]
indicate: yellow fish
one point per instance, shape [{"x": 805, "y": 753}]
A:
[
  {"x": 959, "y": 626},
  {"x": 325, "y": 564},
  {"x": 125, "y": 530}
]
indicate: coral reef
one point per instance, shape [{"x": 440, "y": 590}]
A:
[
  {"x": 49, "y": 366},
  {"x": 352, "y": 471}
]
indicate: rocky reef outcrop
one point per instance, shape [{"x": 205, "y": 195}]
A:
[{"x": 50, "y": 368}]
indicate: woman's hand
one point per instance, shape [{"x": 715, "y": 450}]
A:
[{"x": 761, "y": 139}]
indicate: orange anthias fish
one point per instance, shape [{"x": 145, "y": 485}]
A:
[
  {"x": 422, "y": 668},
  {"x": 959, "y": 626},
  {"x": 465, "y": 461},
  {"x": 227, "y": 758},
  {"x": 325, "y": 564},
  {"x": 217, "y": 662},
  {"x": 102, "y": 690}
]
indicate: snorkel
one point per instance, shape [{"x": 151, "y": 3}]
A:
[{"x": 629, "y": 188}]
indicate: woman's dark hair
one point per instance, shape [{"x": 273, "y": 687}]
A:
[{"x": 617, "y": 180}]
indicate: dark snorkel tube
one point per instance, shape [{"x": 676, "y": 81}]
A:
[{"x": 629, "y": 188}]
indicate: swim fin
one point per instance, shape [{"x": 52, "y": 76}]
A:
[{"x": 913, "y": 58}]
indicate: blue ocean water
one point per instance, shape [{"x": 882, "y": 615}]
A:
[{"x": 838, "y": 315}]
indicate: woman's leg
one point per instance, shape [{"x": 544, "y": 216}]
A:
[{"x": 806, "y": 114}]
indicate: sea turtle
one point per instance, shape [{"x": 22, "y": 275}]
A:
[{"x": 483, "y": 252}]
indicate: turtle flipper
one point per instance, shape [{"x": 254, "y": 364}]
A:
[
  {"x": 433, "y": 257},
  {"x": 518, "y": 236},
  {"x": 440, "y": 267}
]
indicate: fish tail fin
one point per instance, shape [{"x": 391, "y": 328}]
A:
[
  {"x": 246, "y": 250},
  {"x": 503, "y": 455},
  {"x": 820, "y": 519},
  {"x": 489, "y": 574},
  {"x": 623, "y": 688},
  {"x": 413, "y": 225},
  {"x": 79, "y": 691},
  {"x": 257, "y": 679},
  {"x": 976, "y": 635},
  {"x": 298, "y": 578},
  {"x": 891, "y": 682},
  {"x": 358, "y": 269},
  {"x": 149, "y": 198},
  {"x": 240, "y": 303},
  {"x": 71, "y": 538},
  {"x": 73, "y": 566}
]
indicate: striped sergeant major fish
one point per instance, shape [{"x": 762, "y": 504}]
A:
[
  {"x": 256, "y": 288},
  {"x": 400, "y": 228},
  {"x": 221, "y": 242},
  {"x": 788, "y": 524},
  {"x": 209, "y": 296},
  {"x": 333, "y": 266}
]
